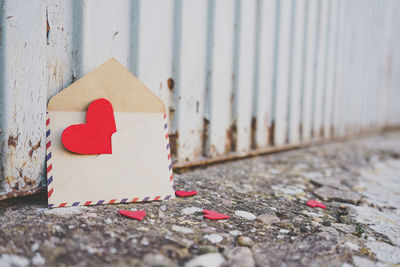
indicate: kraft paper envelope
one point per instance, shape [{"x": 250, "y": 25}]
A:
[{"x": 139, "y": 167}]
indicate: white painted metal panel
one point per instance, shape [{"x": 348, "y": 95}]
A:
[
  {"x": 283, "y": 66},
  {"x": 191, "y": 80},
  {"x": 297, "y": 71},
  {"x": 265, "y": 72},
  {"x": 320, "y": 77},
  {"x": 221, "y": 81},
  {"x": 245, "y": 76},
  {"x": 23, "y": 95},
  {"x": 309, "y": 75},
  {"x": 328, "y": 98}
]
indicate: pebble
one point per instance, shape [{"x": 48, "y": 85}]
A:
[
  {"x": 235, "y": 232},
  {"x": 244, "y": 214},
  {"x": 191, "y": 210},
  {"x": 239, "y": 257},
  {"x": 108, "y": 221},
  {"x": 328, "y": 192},
  {"x": 206, "y": 260},
  {"x": 182, "y": 229},
  {"x": 284, "y": 231},
  {"x": 13, "y": 260},
  {"x": 213, "y": 238},
  {"x": 156, "y": 259},
  {"x": 268, "y": 218},
  {"x": 35, "y": 246},
  {"x": 315, "y": 224},
  {"x": 38, "y": 260},
  {"x": 207, "y": 249},
  {"x": 351, "y": 246},
  {"x": 245, "y": 241},
  {"x": 144, "y": 241}
]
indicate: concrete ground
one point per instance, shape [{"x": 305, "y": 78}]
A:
[{"x": 270, "y": 224}]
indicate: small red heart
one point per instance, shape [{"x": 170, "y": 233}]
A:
[
  {"x": 213, "y": 215},
  {"x": 313, "y": 203},
  {"x": 93, "y": 137},
  {"x": 185, "y": 193},
  {"x": 137, "y": 215}
]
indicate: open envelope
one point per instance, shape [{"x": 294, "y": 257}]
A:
[{"x": 139, "y": 167}]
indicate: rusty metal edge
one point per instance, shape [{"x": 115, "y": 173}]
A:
[
  {"x": 21, "y": 193},
  {"x": 189, "y": 166}
]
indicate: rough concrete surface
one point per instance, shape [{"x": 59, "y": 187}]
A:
[{"x": 270, "y": 224}]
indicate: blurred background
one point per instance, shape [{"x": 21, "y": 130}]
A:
[{"x": 237, "y": 77}]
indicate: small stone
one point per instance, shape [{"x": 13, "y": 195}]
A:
[
  {"x": 182, "y": 229},
  {"x": 70, "y": 227},
  {"x": 214, "y": 238},
  {"x": 13, "y": 260},
  {"x": 285, "y": 225},
  {"x": 35, "y": 246},
  {"x": 284, "y": 231},
  {"x": 191, "y": 210},
  {"x": 113, "y": 250},
  {"x": 246, "y": 215},
  {"x": 280, "y": 236},
  {"x": 38, "y": 259},
  {"x": 206, "y": 260},
  {"x": 328, "y": 192},
  {"x": 239, "y": 257},
  {"x": 227, "y": 203},
  {"x": 156, "y": 259},
  {"x": 108, "y": 221},
  {"x": 207, "y": 249},
  {"x": 315, "y": 224},
  {"x": 351, "y": 246},
  {"x": 245, "y": 241},
  {"x": 144, "y": 241},
  {"x": 235, "y": 232},
  {"x": 268, "y": 218}
]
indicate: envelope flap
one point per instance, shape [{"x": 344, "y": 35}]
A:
[{"x": 113, "y": 82}]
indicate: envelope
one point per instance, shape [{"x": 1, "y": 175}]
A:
[{"x": 139, "y": 167}]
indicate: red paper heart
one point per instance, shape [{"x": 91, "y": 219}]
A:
[
  {"x": 213, "y": 215},
  {"x": 93, "y": 137},
  {"x": 185, "y": 193},
  {"x": 313, "y": 203},
  {"x": 137, "y": 215}
]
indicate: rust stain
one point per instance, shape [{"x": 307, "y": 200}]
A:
[
  {"x": 204, "y": 136},
  {"x": 231, "y": 137},
  {"x": 47, "y": 27},
  {"x": 171, "y": 83},
  {"x": 13, "y": 140},
  {"x": 173, "y": 142},
  {"x": 321, "y": 132},
  {"x": 253, "y": 132},
  {"x": 301, "y": 130},
  {"x": 28, "y": 182},
  {"x": 33, "y": 148},
  {"x": 271, "y": 131}
]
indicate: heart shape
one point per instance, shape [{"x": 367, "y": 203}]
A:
[
  {"x": 213, "y": 215},
  {"x": 137, "y": 214},
  {"x": 313, "y": 203},
  {"x": 94, "y": 136},
  {"x": 185, "y": 193}
]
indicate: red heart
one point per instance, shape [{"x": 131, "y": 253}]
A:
[
  {"x": 213, "y": 215},
  {"x": 137, "y": 215},
  {"x": 93, "y": 137},
  {"x": 313, "y": 203},
  {"x": 185, "y": 193}
]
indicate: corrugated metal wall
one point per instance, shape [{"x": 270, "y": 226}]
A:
[{"x": 239, "y": 77}]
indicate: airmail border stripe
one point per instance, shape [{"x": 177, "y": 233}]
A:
[
  {"x": 112, "y": 201},
  {"x": 99, "y": 202},
  {"x": 49, "y": 165},
  {"x": 169, "y": 158}
]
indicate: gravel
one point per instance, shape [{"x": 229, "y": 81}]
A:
[{"x": 265, "y": 196}]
